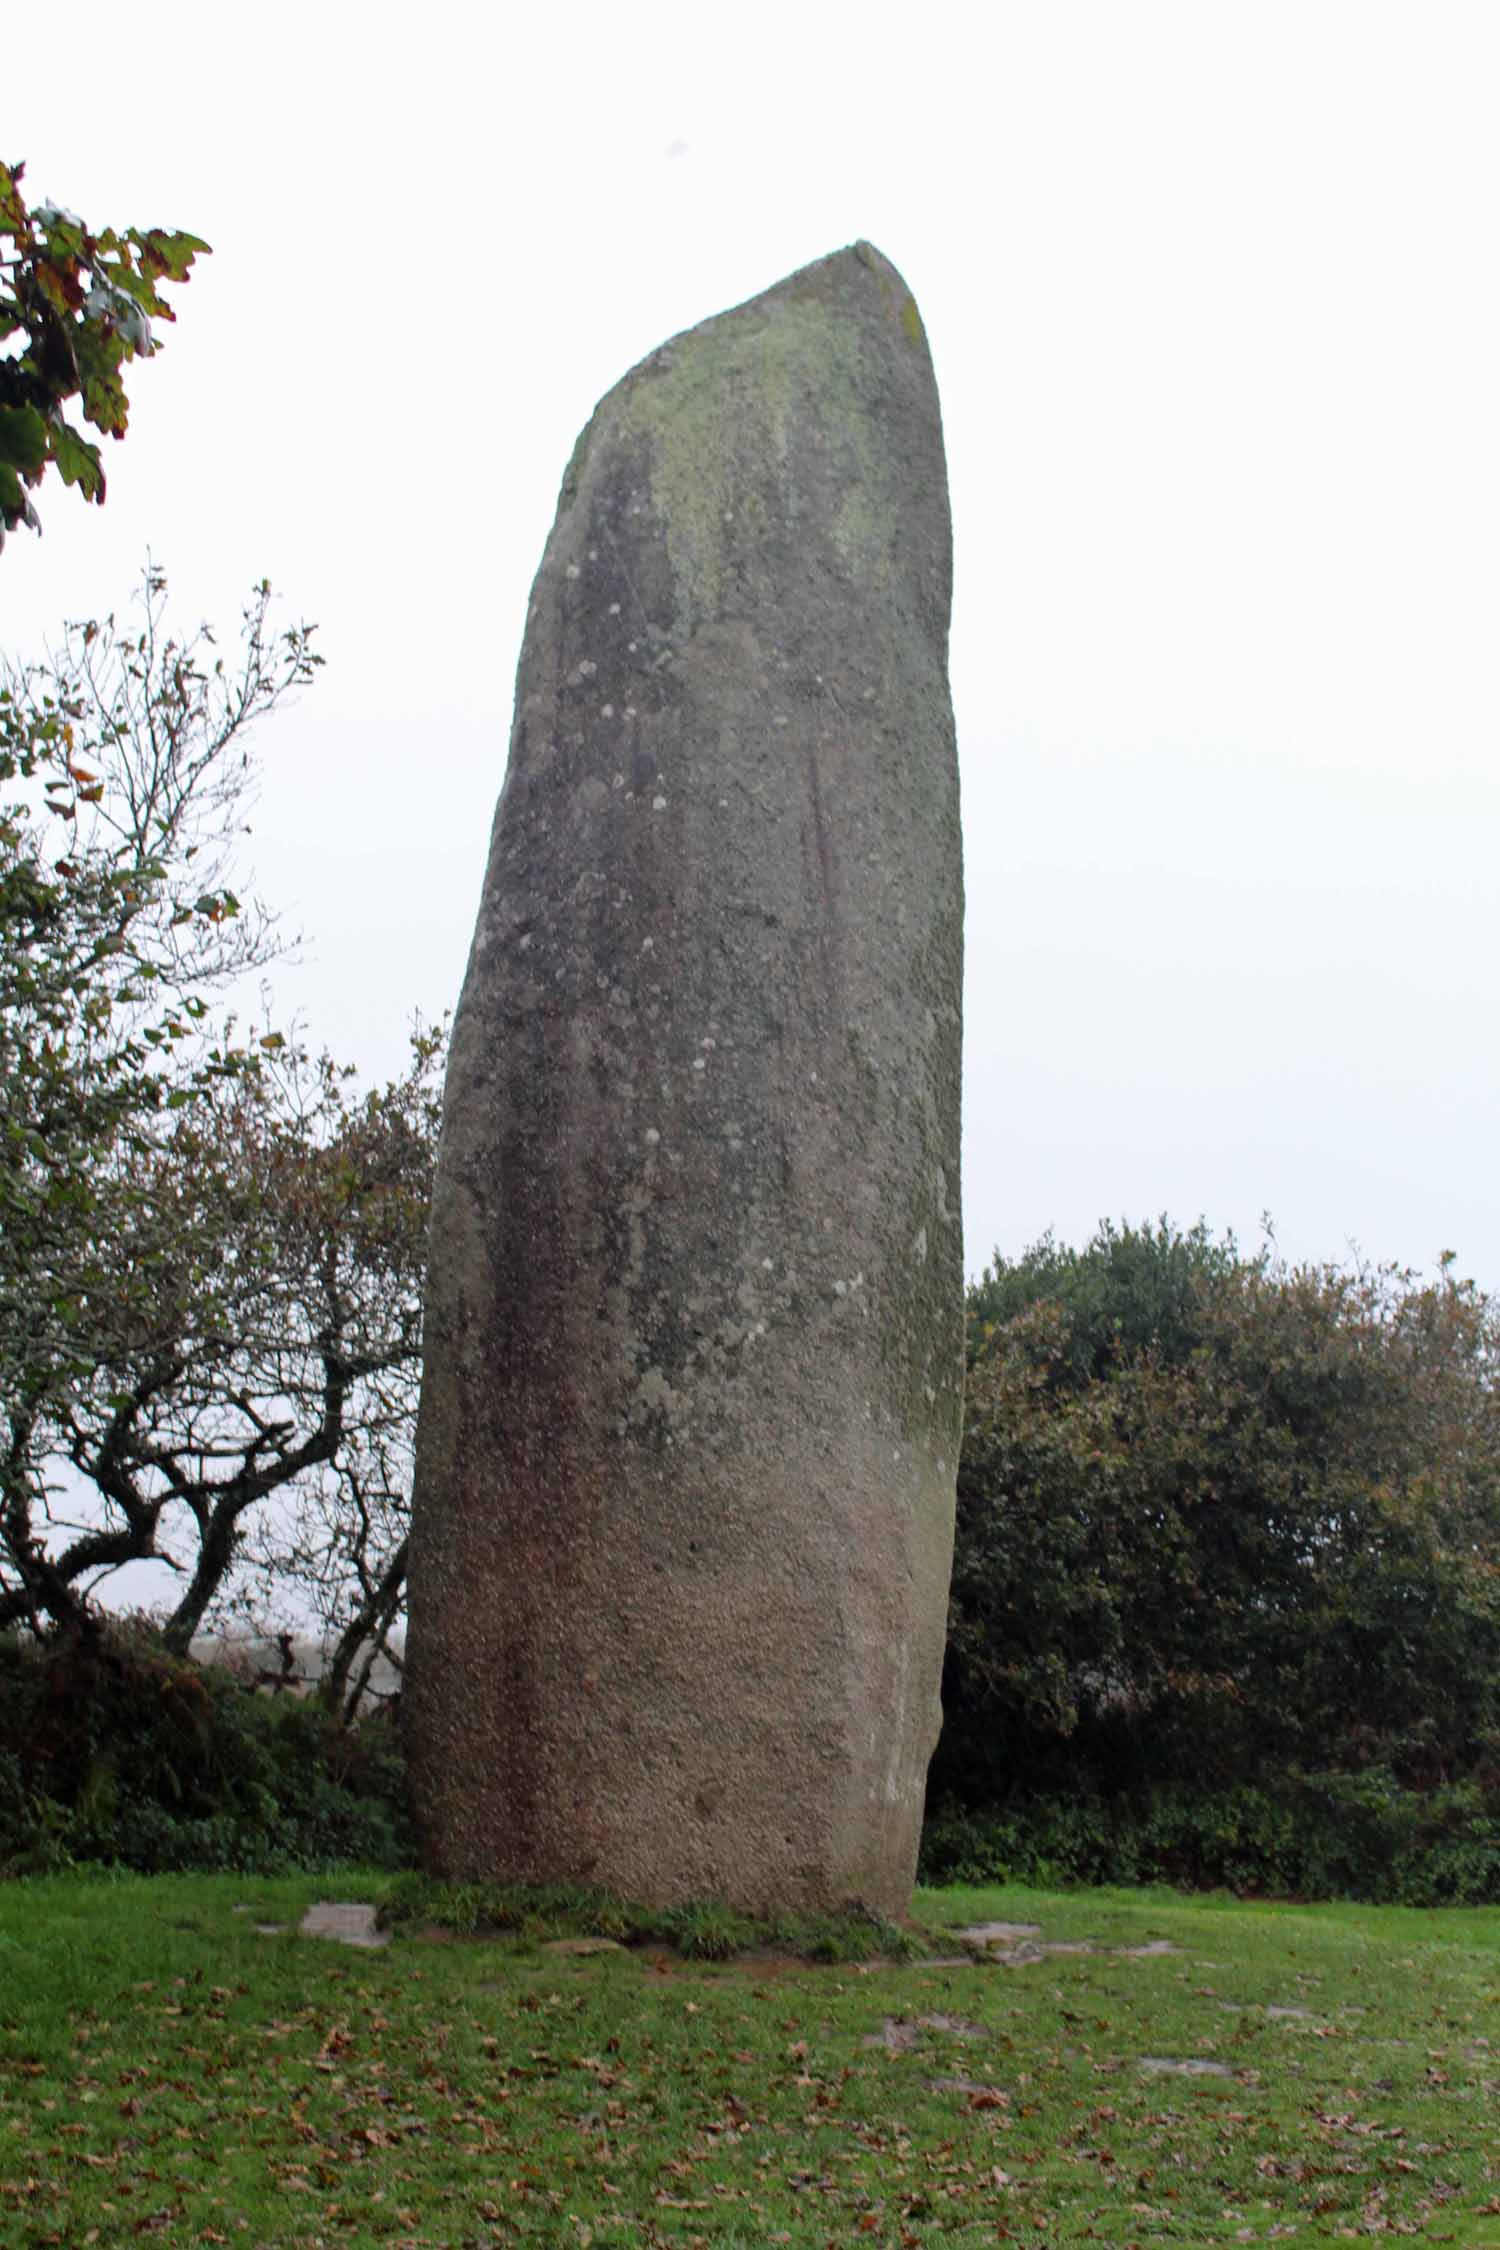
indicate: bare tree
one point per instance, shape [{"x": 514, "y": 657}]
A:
[
  {"x": 265, "y": 1347},
  {"x": 127, "y": 756}
]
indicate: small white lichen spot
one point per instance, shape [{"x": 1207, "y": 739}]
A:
[
  {"x": 841, "y": 1289},
  {"x": 606, "y": 711},
  {"x": 815, "y": 1078},
  {"x": 614, "y": 611},
  {"x": 593, "y": 554},
  {"x": 699, "y": 1063},
  {"x": 633, "y": 646},
  {"x": 652, "y": 1136},
  {"x": 648, "y": 945},
  {"x": 767, "y": 1266},
  {"x": 619, "y": 781},
  {"x": 572, "y": 571},
  {"x": 919, "y": 1247},
  {"x": 524, "y": 940},
  {"x": 658, "y": 804},
  {"x": 587, "y": 668},
  {"x": 630, "y": 710}
]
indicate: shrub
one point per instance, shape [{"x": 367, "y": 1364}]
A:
[
  {"x": 1354, "y": 1836},
  {"x": 1220, "y": 1519},
  {"x": 114, "y": 1751}
]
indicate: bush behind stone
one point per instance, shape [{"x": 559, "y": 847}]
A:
[{"x": 113, "y": 1751}]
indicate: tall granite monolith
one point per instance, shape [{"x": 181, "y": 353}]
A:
[{"x": 690, "y": 1419}]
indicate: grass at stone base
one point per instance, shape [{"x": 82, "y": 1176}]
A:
[
  {"x": 169, "y": 2074},
  {"x": 707, "y": 1931}
]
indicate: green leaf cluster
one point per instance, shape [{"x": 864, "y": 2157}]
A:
[{"x": 75, "y": 308}]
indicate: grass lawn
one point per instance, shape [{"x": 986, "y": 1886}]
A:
[{"x": 168, "y": 2072}]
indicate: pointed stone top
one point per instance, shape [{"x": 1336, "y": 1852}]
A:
[
  {"x": 858, "y": 281},
  {"x": 807, "y": 412}
]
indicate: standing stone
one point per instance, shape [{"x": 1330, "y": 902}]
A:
[{"x": 685, "y": 1471}]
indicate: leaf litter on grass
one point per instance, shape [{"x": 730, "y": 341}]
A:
[{"x": 196, "y": 2083}]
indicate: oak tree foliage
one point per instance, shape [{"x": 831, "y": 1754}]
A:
[{"x": 76, "y": 307}]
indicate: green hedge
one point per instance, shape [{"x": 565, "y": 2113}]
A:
[
  {"x": 1310, "y": 1836},
  {"x": 113, "y": 1751}
]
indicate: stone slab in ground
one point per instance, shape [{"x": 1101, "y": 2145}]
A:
[{"x": 350, "y": 1924}]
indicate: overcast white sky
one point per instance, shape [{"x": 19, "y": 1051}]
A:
[{"x": 1211, "y": 293}]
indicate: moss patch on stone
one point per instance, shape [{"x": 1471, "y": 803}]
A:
[{"x": 718, "y": 422}]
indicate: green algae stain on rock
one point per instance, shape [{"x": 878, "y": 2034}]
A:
[
  {"x": 727, "y": 427},
  {"x": 864, "y": 534}
]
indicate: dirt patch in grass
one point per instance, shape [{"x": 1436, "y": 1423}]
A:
[{"x": 899, "y": 2034}]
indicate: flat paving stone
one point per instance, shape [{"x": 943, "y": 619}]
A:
[
  {"x": 1018, "y": 1945},
  {"x": 345, "y": 1922}
]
